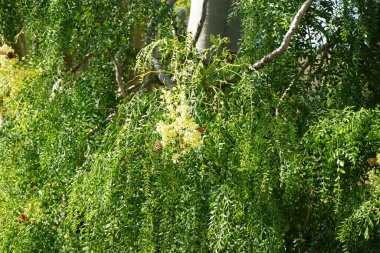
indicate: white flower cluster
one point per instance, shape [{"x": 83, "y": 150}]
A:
[{"x": 180, "y": 130}]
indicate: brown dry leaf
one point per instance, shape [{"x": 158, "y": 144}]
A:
[
  {"x": 202, "y": 129},
  {"x": 157, "y": 146},
  {"x": 372, "y": 161},
  {"x": 22, "y": 218}
]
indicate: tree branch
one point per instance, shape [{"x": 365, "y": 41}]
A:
[
  {"x": 296, "y": 78},
  {"x": 74, "y": 69},
  {"x": 170, "y": 3},
  {"x": 152, "y": 26},
  {"x": 119, "y": 73},
  {"x": 164, "y": 78},
  {"x": 156, "y": 65},
  {"x": 286, "y": 41},
  {"x": 300, "y": 73}
]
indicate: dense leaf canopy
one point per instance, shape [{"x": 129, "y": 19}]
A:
[{"x": 283, "y": 159}]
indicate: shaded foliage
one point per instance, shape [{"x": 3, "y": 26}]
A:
[{"x": 80, "y": 167}]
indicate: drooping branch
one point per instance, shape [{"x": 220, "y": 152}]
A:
[
  {"x": 287, "y": 38},
  {"x": 201, "y": 22}
]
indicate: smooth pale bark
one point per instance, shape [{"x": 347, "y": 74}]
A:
[
  {"x": 286, "y": 41},
  {"x": 216, "y": 23}
]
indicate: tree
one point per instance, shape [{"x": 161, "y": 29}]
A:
[
  {"x": 98, "y": 154},
  {"x": 210, "y": 17}
]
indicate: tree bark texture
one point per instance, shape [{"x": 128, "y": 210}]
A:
[{"x": 215, "y": 22}]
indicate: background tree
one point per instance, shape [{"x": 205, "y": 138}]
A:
[{"x": 210, "y": 17}]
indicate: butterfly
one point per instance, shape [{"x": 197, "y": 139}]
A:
[
  {"x": 201, "y": 129},
  {"x": 372, "y": 161},
  {"x": 22, "y": 217},
  {"x": 157, "y": 146}
]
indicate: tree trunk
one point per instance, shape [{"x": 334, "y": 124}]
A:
[{"x": 216, "y": 22}]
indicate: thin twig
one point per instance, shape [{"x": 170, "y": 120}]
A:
[
  {"x": 287, "y": 38},
  {"x": 296, "y": 78},
  {"x": 321, "y": 60},
  {"x": 80, "y": 64},
  {"x": 300, "y": 73}
]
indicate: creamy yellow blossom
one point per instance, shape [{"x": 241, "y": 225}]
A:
[
  {"x": 175, "y": 158},
  {"x": 179, "y": 130}
]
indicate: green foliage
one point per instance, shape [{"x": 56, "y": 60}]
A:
[
  {"x": 183, "y": 3},
  {"x": 83, "y": 170}
]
